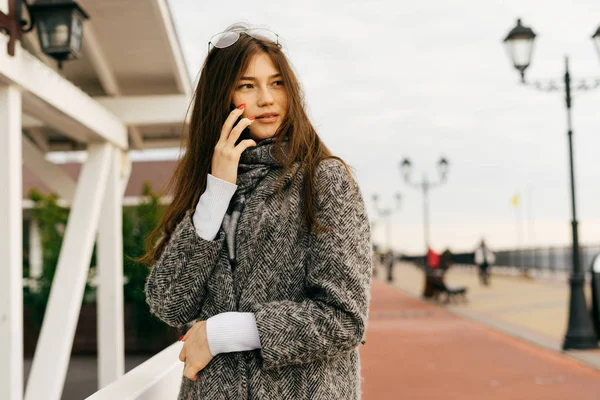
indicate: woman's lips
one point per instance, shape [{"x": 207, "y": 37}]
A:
[{"x": 267, "y": 120}]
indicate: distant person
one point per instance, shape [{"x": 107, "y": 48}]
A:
[
  {"x": 390, "y": 265},
  {"x": 484, "y": 258},
  {"x": 446, "y": 260},
  {"x": 376, "y": 258}
]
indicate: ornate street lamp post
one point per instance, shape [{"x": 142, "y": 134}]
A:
[
  {"x": 425, "y": 185},
  {"x": 519, "y": 43},
  {"x": 386, "y": 214}
]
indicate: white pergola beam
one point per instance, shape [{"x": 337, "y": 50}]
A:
[
  {"x": 126, "y": 167},
  {"x": 162, "y": 144},
  {"x": 51, "y": 360},
  {"x": 11, "y": 246},
  {"x": 60, "y": 104},
  {"x": 109, "y": 253},
  {"x": 167, "y": 28},
  {"x": 148, "y": 110},
  {"x": 36, "y": 261},
  {"x": 64, "y": 147},
  {"x": 137, "y": 140},
  {"x": 130, "y": 201},
  {"x": 40, "y": 139},
  {"x": 51, "y": 174},
  {"x": 93, "y": 51},
  {"x": 30, "y": 122}
]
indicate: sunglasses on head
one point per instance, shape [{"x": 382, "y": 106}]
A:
[{"x": 226, "y": 39}]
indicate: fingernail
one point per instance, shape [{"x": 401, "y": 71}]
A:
[
  {"x": 181, "y": 338},
  {"x": 251, "y": 118},
  {"x": 241, "y": 106}
]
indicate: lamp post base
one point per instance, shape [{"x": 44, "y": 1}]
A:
[
  {"x": 580, "y": 333},
  {"x": 583, "y": 342}
]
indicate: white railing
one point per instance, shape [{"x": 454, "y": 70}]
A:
[{"x": 158, "y": 378}]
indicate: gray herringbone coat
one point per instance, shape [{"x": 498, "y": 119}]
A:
[{"x": 309, "y": 293}]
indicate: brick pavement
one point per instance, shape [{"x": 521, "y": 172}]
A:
[
  {"x": 417, "y": 350},
  {"x": 538, "y": 305}
]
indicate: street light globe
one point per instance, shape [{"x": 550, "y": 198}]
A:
[
  {"x": 443, "y": 165},
  {"x": 596, "y": 39},
  {"x": 405, "y": 167},
  {"x": 519, "y": 45}
]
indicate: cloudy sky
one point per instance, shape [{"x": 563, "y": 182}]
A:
[{"x": 386, "y": 80}]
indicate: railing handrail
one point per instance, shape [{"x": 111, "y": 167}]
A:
[{"x": 157, "y": 378}]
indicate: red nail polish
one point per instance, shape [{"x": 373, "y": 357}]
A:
[
  {"x": 241, "y": 106},
  {"x": 251, "y": 118},
  {"x": 181, "y": 338}
]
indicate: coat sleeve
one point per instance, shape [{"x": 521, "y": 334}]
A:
[
  {"x": 332, "y": 320},
  {"x": 175, "y": 288}
]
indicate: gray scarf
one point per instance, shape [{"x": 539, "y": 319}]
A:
[{"x": 255, "y": 163}]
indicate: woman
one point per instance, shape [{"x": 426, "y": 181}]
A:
[{"x": 266, "y": 245}]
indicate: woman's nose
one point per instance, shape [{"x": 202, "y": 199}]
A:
[{"x": 265, "y": 98}]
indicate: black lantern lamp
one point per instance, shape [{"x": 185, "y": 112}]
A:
[
  {"x": 60, "y": 28},
  {"x": 519, "y": 45},
  {"x": 406, "y": 168},
  {"x": 59, "y": 24},
  {"x": 596, "y": 39},
  {"x": 443, "y": 168}
]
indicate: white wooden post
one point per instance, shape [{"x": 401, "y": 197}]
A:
[
  {"x": 35, "y": 254},
  {"x": 51, "y": 360},
  {"x": 109, "y": 256},
  {"x": 11, "y": 246}
]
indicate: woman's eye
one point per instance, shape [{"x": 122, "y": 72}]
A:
[
  {"x": 278, "y": 83},
  {"x": 246, "y": 86}
]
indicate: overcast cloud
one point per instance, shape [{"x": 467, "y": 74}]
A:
[{"x": 388, "y": 79}]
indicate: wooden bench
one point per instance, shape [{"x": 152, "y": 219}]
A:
[{"x": 451, "y": 293}]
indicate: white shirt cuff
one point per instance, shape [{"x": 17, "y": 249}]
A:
[
  {"x": 232, "y": 331},
  {"x": 212, "y": 206}
]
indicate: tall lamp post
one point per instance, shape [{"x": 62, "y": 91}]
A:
[
  {"x": 425, "y": 185},
  {"x": 519, "y": 42},
  {"x": 386, "y": 214}
]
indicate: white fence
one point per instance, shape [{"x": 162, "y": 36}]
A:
[{"x": 158, "y": 378}]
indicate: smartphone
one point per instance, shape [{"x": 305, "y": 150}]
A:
[{"x": 245, "y": 133}]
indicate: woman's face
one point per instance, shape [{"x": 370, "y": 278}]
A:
[{"x": 261, "y": 90}]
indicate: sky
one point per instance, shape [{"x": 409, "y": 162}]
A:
[{"x": 384, "y": 80}]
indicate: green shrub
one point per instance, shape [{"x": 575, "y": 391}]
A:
[{"x": 138, "y": 222}]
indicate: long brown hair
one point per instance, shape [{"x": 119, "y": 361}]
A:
[{"x": 211, "y": 106}]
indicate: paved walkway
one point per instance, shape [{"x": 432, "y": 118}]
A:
[
  {"x": 418, "y": 350},
  {"x": 532, "y": 309}
]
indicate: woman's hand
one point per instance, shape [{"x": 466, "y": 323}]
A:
[
  {"x": 227, "y": 155},
  {"x": 195, "y": 353}
]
